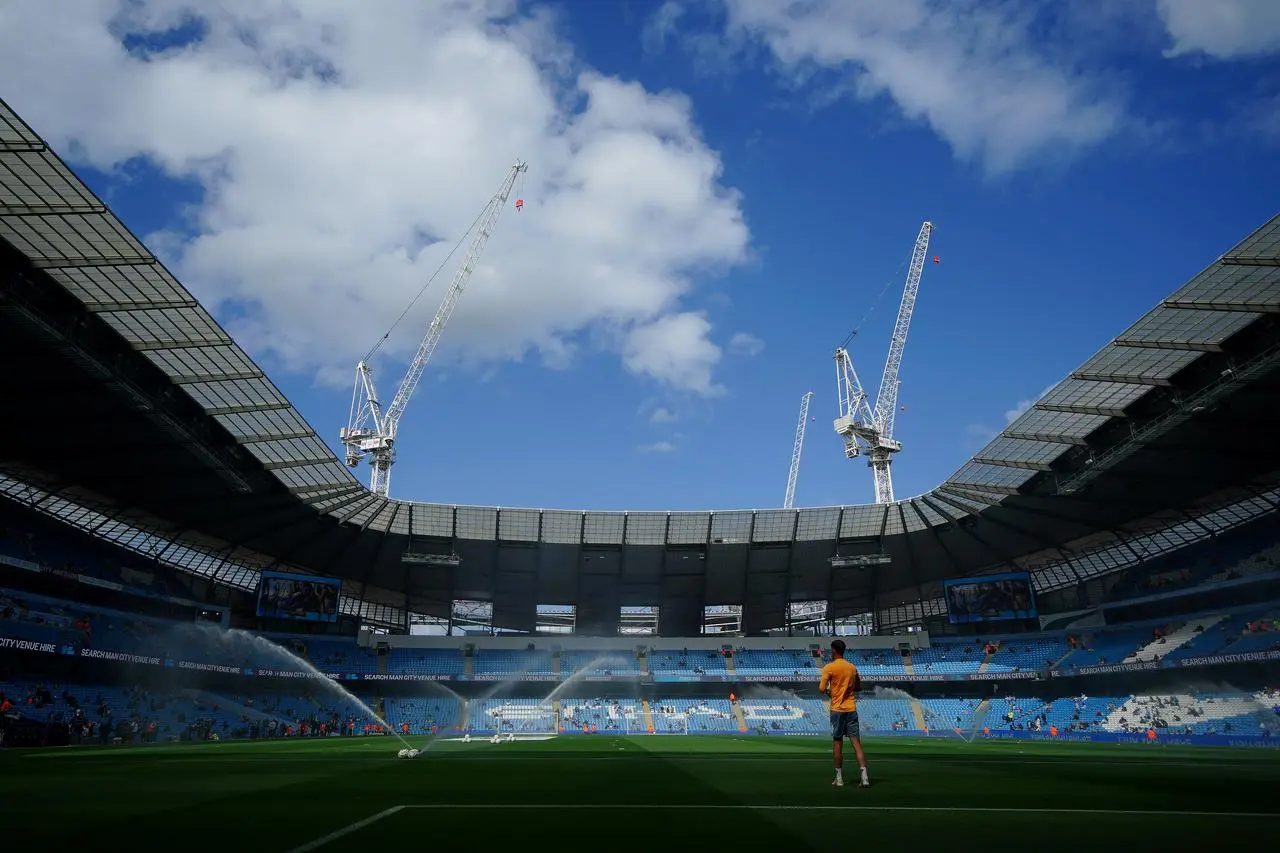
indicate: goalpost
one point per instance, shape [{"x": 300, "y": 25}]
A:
[{"x": 676, "y": 724}]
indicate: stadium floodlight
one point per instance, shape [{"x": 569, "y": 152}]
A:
[
  {"x": 839, "y": 562},
  {"x": 430, "y": 559}
]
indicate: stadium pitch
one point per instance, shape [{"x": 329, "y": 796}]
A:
[{"x": 623, "y": 793}]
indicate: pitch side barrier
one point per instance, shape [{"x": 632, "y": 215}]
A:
[
  {"x": 1070, "y": 737},
  {"x": 54, "y": 648}
]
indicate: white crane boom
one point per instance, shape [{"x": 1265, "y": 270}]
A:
[
  {"x": 862, "y": 428},
  {"x": 371, "y": 431},
  {"x": 887, "y": 398},
  {"x": 794, "y": 473}
]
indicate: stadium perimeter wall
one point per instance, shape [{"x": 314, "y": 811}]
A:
[{"x": 570, "y": 642}]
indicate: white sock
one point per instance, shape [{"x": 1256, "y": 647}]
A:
[
  {"x": 864, "y": 772},
  {"x": 840, "y": 774}
]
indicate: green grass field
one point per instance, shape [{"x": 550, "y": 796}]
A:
[{"x": 660, "y": 794}]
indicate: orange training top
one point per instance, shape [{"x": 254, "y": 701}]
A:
[{"x": 840, "y": 681}]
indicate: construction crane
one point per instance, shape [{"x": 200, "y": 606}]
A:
[
  {"x": 866, "y": 429},
  {"x": 796, "y": 449},
  {"x": 371, "y": 431}
]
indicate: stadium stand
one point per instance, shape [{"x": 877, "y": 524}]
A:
[
  {"x": 423, "y": 715},
  {"x": 440, "y": 662},
  {"x": 104, "y": 713},
  {"x": 518, "y": 716},
  {"x": 755, "y": 663},
  {"x": 685, "y": 715},
  {"x": 598, "y": 663},
  {"x": 605, "y": 715},
  {"x": 1019, "y": 655},
  {"x": 790, "y": 715},
  {"x": 512, "y": 663},
  {"x": 686, "y": 662},
  {"x": 944, "y": 658}
]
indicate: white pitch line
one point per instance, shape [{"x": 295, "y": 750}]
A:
[
  {"x": 347, "y": 830},
  {"x": 774, "y": 807},
  {"x": 385, "y": 813},
  {"x": 686, "y": 758}
]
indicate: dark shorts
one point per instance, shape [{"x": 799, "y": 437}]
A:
[{"x": 844, "y": 724}]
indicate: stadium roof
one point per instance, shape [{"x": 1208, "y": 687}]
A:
[{"x": 125, "y": 392}]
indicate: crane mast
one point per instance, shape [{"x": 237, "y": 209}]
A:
[
  {"x": 867, "y": 429},
  {"x": 794, "y": 473},
  {"x": 371, "y": 431}
]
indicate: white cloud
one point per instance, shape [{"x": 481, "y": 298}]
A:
[
  {"x": 1024, "y": 405},
  {"x": 1019, "y": 409},
  {"x": 983, "y": 433},
  {"x": 969, "y": 71},
  {"x": 661, "y": 25},
  {"x": 334, "y": 145},
  {"x": 657, "y": 447},
  {"x": 662, "y": 416},
  {"x": 675, "y": 349},
  {"x": 1223, "y": 29},
  {"x": 745, "y": 343}
]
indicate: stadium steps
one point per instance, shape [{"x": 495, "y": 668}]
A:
[
  {"x": 986, "y": 660},
  {"x": 1158, "y": 649},
  {"x": 980, "y": 714},
  {"x": 648, "y": 715},
  {"x": 738, "y": 715},
  {"x": 557, "y": 718},
  {"x": 907, "y": 664},
  {"x": 383, "y": 664},
  {"x": 917, "y": 711},
  {"x": 469, "y": 665},
  {"x": 729, "y": 666},
  {"x": 555, "y": 670},
  {"x": 644, "y": 667}
]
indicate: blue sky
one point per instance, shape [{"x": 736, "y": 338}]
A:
[{"x": 718, "y": 192}]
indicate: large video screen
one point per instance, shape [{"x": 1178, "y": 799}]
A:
[
  {"x": 286, "y": 596},
  {"x": 990, "y": 598}
]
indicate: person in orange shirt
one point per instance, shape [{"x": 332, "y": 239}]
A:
[{"x": 841, "y": 682}]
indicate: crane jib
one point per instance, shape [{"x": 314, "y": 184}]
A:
[
  {"x": 371, "y": 431},
  {"x": 867, "y": 429}
]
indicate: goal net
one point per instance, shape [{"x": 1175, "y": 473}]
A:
[
  {"x": 512, "y": 717},
  {"x": 671, "y": 724}
]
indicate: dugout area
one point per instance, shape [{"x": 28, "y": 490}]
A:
[{"x": 641, "y": 793}]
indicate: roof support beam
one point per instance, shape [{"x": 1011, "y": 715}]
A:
[
  {"x": 1082, "y": 409},
  {"x": 102, "y": 261},
  {"x": 1013, "y": 463},
  {"x": 244, "y": 410},
  {"x": 23, "y": 147},
  {"x": 1193, "y": 346},
  {"x": 298, "y": 463},
  {"x": 263, "y": 437},
  {"x": 1119, "y": 379},
  {"x": 7, "y": 210},
  {"x": 142, "y": 305},
  {"x": 336, "y": 488},
  {"x": 1214, "y": 305},
  {"x": 1250, "y": 262},
  {"x": 1075, "y": 440},
  {"x": 204, "y": 378}
]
